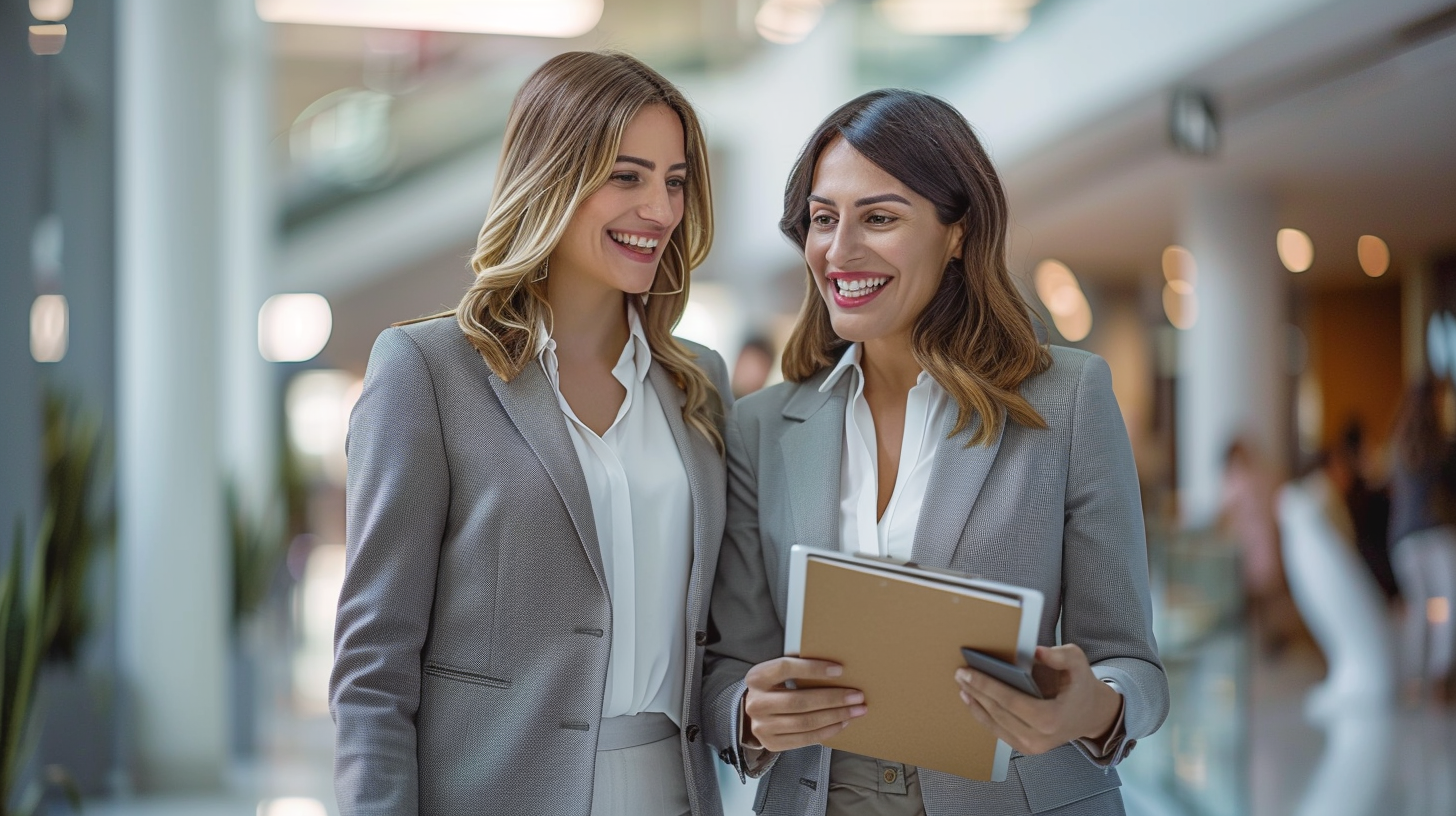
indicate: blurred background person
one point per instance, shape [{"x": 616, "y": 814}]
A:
[
  {"x": 1247, "y": 514},
  {"x": 1367, "y": 504},
  {"x": 755, "y": 363},
  {"x": 1424, "y": 551}
]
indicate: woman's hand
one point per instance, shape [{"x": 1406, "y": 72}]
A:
[
  {"x": 781, "y": 718},
  {"x": 1079, "y": 705}
]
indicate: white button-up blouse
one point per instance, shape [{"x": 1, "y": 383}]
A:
[{"x": 643, "y": 513}]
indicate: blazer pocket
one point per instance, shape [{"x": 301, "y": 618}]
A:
[
  {"x": 1060, "y": 777},
  {"x": 465, "y": 676}
]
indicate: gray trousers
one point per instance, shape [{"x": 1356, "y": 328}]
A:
[
  {"x": 1425, "y": 568},
  {"x": 639, "y": 768}
]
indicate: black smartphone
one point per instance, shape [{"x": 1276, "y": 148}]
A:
[{"x": 1013, "y": 676}]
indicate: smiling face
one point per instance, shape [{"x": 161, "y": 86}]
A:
[
  {"x": 618, "y": 234},
  {"x": 875, "y": 247}
]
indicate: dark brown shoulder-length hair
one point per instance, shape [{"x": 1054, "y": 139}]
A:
[{"x": 976, "y": 336}]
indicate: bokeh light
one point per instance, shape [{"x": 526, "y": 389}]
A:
[
  {"x": 292, "y": 806},
  {"x": 294, "y": 328},
  {"x": 1374, "y": 255},
  {"x": 1296, "y": 250},
  {"x": 47, "y": 40},
  {"x": 527, "y": 18},
  {"x": 1178, "y": 265},
  {"x": 785, "y": 22},
  {"x": 1180, "y": 304},
  {"x": 52, "y": 11},
  {"x": 1002, "y": 18},
  {"x": 49, "y": 328},
  {"x": 1059, "y": 291}
]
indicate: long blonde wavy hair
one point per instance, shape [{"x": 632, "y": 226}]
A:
[
  {"x": 561, "y": 142},
  {"x": 976, "y": 336}
]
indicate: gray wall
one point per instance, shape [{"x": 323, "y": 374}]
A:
[
  {"x": 80, "y": 150},
  {"x": 19, "y": 196}
]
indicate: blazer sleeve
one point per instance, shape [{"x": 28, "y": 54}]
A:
[
  {"x": 717, "y": 370},
  {"x": 397, "y": 500},
  {"x": 743, "y": 628},
  {"x": 1106, "y": 608}
]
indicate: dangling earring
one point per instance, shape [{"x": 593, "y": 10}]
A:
[
  {"x": 681, "y": 273},
  {"x": 545, "y": 269}
]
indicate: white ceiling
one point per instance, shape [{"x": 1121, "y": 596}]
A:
[{"x": 1357, "y": 138}]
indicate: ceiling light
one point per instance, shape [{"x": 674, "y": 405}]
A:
[
  {"x": 46, "y": 40},
  {"x": 52, "y": 11},
  {"x": 1374, "y": 255},
  {"x": 1058, "y": 289},
  {"x": 292, "y": 806},
  {"x": 785, "y": 22},
  {"x": 1296, "y": 251},
  {"x": 526, "y": 18},
  {"x": 49, "y": 328},
  {"x": 1051, "y": 276},
  {"x": 294, "y": 328},
  {"x": 1178, "y": 265},
  {"x": 957, "y": 17},
  {"x": 1181, "y": 307},
  {"x": 1076, "y": 324}
]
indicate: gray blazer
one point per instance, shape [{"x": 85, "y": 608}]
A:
[
  {"x": 1057, "y": 510},
  {"x": 474, "y": 626}
]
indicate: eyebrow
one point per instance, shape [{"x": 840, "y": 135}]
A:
[
  {"x": 651, "y": 165},
  {"x": 865, "y": 202}
]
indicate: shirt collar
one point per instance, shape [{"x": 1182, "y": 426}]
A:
[
  {"x": 638, "y": 336},
  {"x": 849, "y": 361},
  {"x": 641, "y": 350}
]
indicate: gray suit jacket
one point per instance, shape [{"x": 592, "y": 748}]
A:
[
  {"x": 1057, "y": 510},
  {"x": 474, "y": 626}
]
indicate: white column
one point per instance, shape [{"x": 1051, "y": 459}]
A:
[
  {"x": 173, "y": 594},
  {"x": 249, "y": 406},
  {"x": 1232, "y": 363}
]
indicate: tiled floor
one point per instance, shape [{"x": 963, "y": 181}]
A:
[
  {"x": 1230, "y": 751},
  {"x": 1366, "y": 763}
]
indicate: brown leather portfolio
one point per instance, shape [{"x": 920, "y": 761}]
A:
[{"x": 898, "y": 632}]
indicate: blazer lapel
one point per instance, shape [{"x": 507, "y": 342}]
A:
[
  {"x": 701, "y": 460},
  {"x": 955, "y": 482},
  {"x": 812, "y": 451},
  {"x": 531, "y": 404}
]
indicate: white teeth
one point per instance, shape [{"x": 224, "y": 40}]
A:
[
  {"x": 859, "y": 287},
  {"x": 634, "y": 240}
]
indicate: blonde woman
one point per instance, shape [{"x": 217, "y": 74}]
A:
[
  {"x": 536, "y": 487},
  {"x": 922, "y": 420}
]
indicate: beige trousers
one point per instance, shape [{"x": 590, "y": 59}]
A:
[
  {"x": 639, "y": 768},
  {"x": 863, "y": 786}
]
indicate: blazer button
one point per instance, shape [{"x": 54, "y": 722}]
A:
[
  {"x": 726, "y": 755},
  {"x": 701, "y": 638},
  {"x": 692, "y": 733}
]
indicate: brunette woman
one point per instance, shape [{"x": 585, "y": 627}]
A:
[{"x": 922, "y": 420}]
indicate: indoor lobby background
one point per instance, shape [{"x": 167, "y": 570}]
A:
[{"x": 210, "y": 208}]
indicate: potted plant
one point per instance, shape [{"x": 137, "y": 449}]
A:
[{"x": 27, "y": 623}]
